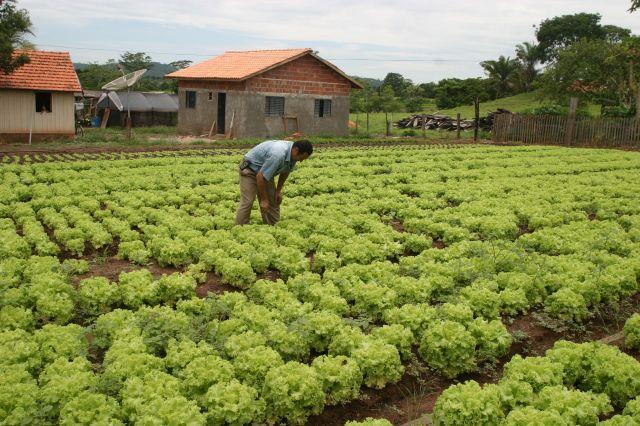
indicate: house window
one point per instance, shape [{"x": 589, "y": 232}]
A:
[
  {"x": 274, "y": 106},
  {"x": 210, "y": 96},
  {"x": 322, "y": 108},
  {"x": 43, "y": 101},
  {"x": 191, "y": 98}
]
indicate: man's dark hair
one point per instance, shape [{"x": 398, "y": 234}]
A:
[{"x": 304, "y": 146}]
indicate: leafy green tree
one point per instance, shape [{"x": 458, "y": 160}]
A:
[
  {"x": 597, "y": 71},
  {"x": 559, "y": 32},
  {"x": 452, "y": 92},
  {"x": 616, "y": 34},
  {"x": 528, "y": 56},
  {"x": 389, "y": 103},
  {"x": 183, "y": 63},
  {"x": 415, "y": 98},
  {"x": 15, "y": 25},
  {"x": 398, "y": 83},
  {"x": 429, "y": 89},
  {"x": 502, "y": 73},
  {"x": 135, "y": 61},
  {"x": 94, "y": 76},
  {"x": 358, "y": 98}
]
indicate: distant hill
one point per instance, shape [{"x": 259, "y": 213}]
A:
[{"x": 372, "y": 82}]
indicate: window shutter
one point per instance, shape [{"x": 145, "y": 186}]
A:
[
  {"x": 322, "y": 108},
  {"x": 191, "y": 99},
  {"x": 274, "y": 106},
  {"x": 326, "y": 112}
]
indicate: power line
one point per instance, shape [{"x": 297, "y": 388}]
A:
[
  {"x": 430, "y": 60},
  {"x": 122, "y": 51}
]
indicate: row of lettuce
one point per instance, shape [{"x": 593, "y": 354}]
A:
[
  {"x": 255, "y": 357},
  {"x": 358, "y": 297}
]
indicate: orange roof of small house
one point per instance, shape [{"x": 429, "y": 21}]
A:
[
  {"x": 46, "y": 71},
  {"x": 241, "y": 65}
]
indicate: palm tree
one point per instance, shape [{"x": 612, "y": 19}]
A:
[
  {"x": 528, "y": 55},
  {"x": 502, "y": 72}
]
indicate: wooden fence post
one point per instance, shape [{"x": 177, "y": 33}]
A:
[
  {"x": 571, "y": 121},
  {"x": 367, "y": 122},
  {"x": 458, "y": 126},
  {"x": 476, "y": 124}
]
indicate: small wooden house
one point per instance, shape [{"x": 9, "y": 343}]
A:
[
  {"x": 37, "y": 99},
  {"x": 264, "y": 93}
]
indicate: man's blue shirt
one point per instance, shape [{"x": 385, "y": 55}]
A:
[{"x": 271, "y": 158}]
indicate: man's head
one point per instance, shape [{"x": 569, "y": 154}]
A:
[{"x": 301, "y": 150}]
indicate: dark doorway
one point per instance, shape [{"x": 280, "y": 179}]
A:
[{"x": 222, "y": 105}]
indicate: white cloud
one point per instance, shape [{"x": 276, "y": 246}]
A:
[{"x": 463, "y": 30}]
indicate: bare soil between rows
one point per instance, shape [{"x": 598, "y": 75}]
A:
[
  {"x": 30, "y": 150},
  {"x": 419, "y": 388},
  {"x": 22, "y": 151},
  {"x": 416, "y": 393},
  {"x": 111, "y": 267}
]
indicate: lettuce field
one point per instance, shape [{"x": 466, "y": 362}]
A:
[{"x": 128, "y": 296}]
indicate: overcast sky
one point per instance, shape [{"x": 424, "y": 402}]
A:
[{"x": 366, "y": 38}]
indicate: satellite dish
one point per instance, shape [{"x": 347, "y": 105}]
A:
[
  {"x": 124, "y": 82},
  {"x": 113, "y": 96}
]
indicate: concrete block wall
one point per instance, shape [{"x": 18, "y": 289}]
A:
[
  {"x": 300, "y": 81},
  {"x": 254, "y": 123},
  {"x": 198, "y": 120}
]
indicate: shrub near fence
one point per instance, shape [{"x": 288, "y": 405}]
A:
[{"x": 605, "y": 132}]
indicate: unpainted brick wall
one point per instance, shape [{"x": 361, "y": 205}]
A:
[{"x": 304, "y": 75}]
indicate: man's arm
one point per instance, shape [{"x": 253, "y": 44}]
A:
[{"x": 281, "y": 180}]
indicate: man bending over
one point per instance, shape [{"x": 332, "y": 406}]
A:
[{"x": 258, "y": 170}]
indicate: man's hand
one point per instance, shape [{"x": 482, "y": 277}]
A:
[
  {"x": 278, "y": 197},
  {"x": 264, "y": 206}
]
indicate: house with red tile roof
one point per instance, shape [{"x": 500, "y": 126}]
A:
[
  {"x": 37, "y": 99},
  {"x": 264, "y": 93}
]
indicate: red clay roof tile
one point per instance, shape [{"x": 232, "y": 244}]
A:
[
  {"x": 234, "y": 65},
  {"x": 47, "y": 71}
]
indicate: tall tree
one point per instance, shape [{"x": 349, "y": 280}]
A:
[
  {"x": 635, "y": 5},
  {"x": 94, "y": 76},
  {"x": 502, "y": 73},
  {"x": 528, "y": 56},
  {"x": 397, "y": 82},
  {"x": 135, "y": 61},
  {"x": 616, "y": 34},
  {"x": 415, "y": 98},
  {"x": 452, "y": 92},
  {"x": 561, "y": 31},
  {"x": 597, "y": 71},
  {"x": 429, "y": 89},
  {"x": 183, "y": 63},
  {"x": 15, "y": 25}
]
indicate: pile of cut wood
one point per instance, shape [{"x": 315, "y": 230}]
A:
[{"x": 444, "y": 122}]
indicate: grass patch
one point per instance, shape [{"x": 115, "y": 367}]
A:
[
  {"x": 517, "y": 103},
  {"x": 377, "y": 125}
]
